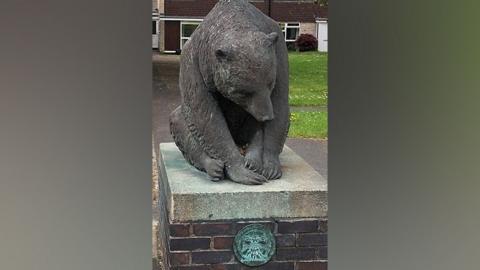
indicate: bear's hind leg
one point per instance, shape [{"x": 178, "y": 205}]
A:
[{"x": 191, "y": 149}]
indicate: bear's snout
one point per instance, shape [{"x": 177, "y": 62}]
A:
[
  {"x": 261, "y": 109},
  {"x": 265, "y": 118}
]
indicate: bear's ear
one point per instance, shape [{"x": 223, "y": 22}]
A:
[
  {"x": 272, "y": 37},
  {"x": 221, "y": 54}
]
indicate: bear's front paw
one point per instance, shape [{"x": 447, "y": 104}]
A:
[
  {"x": 253, "y": 161},
  {"x": 241, "y": 174},
  {"x": 271, "y": 167}
]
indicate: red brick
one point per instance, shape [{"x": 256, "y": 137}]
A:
[
  {"x": 192, "y": 267},
  {"x": 311, "y": 239},
  {"x": 211, "y": 257},
  {"x": 285, "y": 240},
  {"x": 311, "y": 266},
  {"x": 322, "y": 253},
  {"x": 211, "y": 229},
  {"x": 323, "y": 226},
  {"x": 276, "y": 266},
  {"x": 226, "y": 266},
  {"x": 298, "y": 226},
  {"x": 223, "y": 242},
  {"x": 269, "y": 224},
  {"x": 180, "y": 230},
  {"x": 189, "y": 243},
  {"x": 296, "y": 254},
  {"x": 179, "y": 258},
  {"x": 269, "y": 266}
]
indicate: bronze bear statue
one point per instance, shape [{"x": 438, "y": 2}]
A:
[{"x": 234, "y": 116}]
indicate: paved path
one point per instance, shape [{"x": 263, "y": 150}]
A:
[{"x": 166, "y": 97}]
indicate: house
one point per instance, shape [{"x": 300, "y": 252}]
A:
[
  {"x": 158, "y": 8},
  {"x": 173, "y": 21}
]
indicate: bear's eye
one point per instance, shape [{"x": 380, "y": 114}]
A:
[
  {"x": 220, "y": 53},
  {"x": 223, "y": 54}
]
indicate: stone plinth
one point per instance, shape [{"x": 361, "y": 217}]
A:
[
  {"x": 301, "y": 192},
  {"x": 202, "y": 217}
]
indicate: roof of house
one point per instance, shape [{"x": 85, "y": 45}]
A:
[{"x": 282, "y": 11}]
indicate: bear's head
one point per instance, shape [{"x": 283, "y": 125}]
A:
[{"x": 245, "y": 71}]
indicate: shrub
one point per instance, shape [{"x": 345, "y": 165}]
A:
[{"x": 306, "y": 42}]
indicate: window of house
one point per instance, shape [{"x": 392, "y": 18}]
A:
[
  {"x": 290, "y": 32},
  {"x": 186, "y": 31},
  {"x": 154, "y": 27}
]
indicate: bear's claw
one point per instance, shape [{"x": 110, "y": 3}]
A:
[
  {"x": 245, "y": 176},
  {"x": 271, "y": 168},
  {"x": 253, "y": 161}
]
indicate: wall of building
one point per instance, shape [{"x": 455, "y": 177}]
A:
[
  {"x": 161, "y": 26},
  {"x": 161, "y": 6},
  {"x": 161, "y": 36},
  {"x": 297, "y": 11},
  {"x": 308, "y": 28},
  {"x": 288, "y": 11},
  {"x": 301, "y": 11}
]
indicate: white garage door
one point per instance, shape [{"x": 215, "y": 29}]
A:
[{"x": 322, "y": 36}]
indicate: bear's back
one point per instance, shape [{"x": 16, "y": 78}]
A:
[{"x": 229, "y": 19}]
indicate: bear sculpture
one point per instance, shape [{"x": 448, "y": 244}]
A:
[{"x": 234, "y": 116}]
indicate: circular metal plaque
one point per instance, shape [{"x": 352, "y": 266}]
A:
[{"x": 254, "y": 245}]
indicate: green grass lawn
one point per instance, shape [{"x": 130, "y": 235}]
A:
[
  {"x": 308, "y": 125},
  {"x": 308, "y": 87},
  {"x": 308, "y": 78}
]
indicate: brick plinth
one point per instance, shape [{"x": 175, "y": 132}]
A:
[
  {"x": 198, "y": 218},
  {"x": 301, "y": 244}
]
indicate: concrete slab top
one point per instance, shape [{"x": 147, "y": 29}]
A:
[
  {"x": 185, "y": 179},
  {"x": 190, "y": 195}
]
